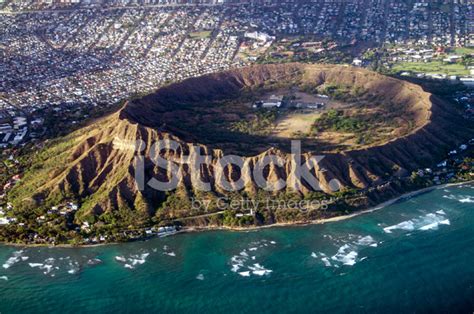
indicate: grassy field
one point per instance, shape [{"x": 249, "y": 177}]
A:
[
  {"x": 464, "y": 50},
  {"x": 437, "y": 67},
  {"x": 298, "y": 123},
  {"x": 200, "y": 34}
]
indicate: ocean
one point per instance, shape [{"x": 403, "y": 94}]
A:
[{"x": 414, "y": 256}]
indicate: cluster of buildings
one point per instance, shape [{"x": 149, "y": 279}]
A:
[
  {"x": 466, "y": 99},
  {"x": 13, "y": 126},
  {"x": 89, "y": 57},
  {"x": 6, "y": 219},
  {"x": 448, "y": 168},
  {"x": 67, "y": 212},
  {"x": 438, "y": 63},
  {"x": 130, "y": 235},
  {"x": 455, "y": 161},
  {"x": 50, "y": 58},
  {"x": 287, "y": 102},
  {"x": 274, "y": 101},
  {"x": 429, "y": 22}
]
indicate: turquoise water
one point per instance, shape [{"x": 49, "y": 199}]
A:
[{"x": 414, "y": 256}]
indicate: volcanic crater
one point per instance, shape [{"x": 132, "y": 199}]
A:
[
  {"x": 216, "y": 110},
  {"x": 385, "y": 127}
]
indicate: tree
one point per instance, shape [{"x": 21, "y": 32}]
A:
[{"x": 466, "y": 60}]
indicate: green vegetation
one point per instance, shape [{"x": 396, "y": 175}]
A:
[
  {"x": 437, "y": 67},
  {"x": 231, "y": 220},
  {"x": 335, "y": 120},
  {"x": 45, "y": 164},
  {"x": 343, "y": 93},
  {"x": 304, "y": 56},
  {"x": 261, "y": 124},
  {"x": 464, "y": 50},
  {"x": 200, "y": 34}
]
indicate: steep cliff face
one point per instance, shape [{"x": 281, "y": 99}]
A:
[{"x": 100, "y": 164}]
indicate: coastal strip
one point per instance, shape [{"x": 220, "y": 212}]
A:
[
  {"x": 184, "y": 230},
  {"x": 392, "y": 201}
]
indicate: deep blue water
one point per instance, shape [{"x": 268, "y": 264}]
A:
[{"x": 416, "y": 256}]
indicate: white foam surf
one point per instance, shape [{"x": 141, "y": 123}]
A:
[
  {"x": 259, "y": 270},
  {"x": 366, "y": 241},
  {"x": 15, "y": 258},
  {"x": 34, "y": 265},
  {"x": 326, "y": 261},
  {"x": 74, "y": 268},
  {"x": 345, "y": 255},
  {"x": 240, "y": 263},
  {"x": 47, "y": 266},
  {"x": 460, "y": 198},
  {"x": 120, "y": 258},
  {"x": 132, "y": 260},
  {"x": 468, "y": 199},
  {"x": 94, "y": 261},
  {"x": 427, "y": 222},
  {"x": 138, "y": 259},
  {"x": 405, "y": 225}
]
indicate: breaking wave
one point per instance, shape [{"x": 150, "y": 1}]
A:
[
  {"x": 241, "y": 264},
  {"x": 132, "y": 260},
  {"x": 430, "y": 221}
]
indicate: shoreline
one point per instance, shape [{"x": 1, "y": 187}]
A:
[
  {"x": 328, "y": 220},
  {"x": 256, "y": 228}
]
